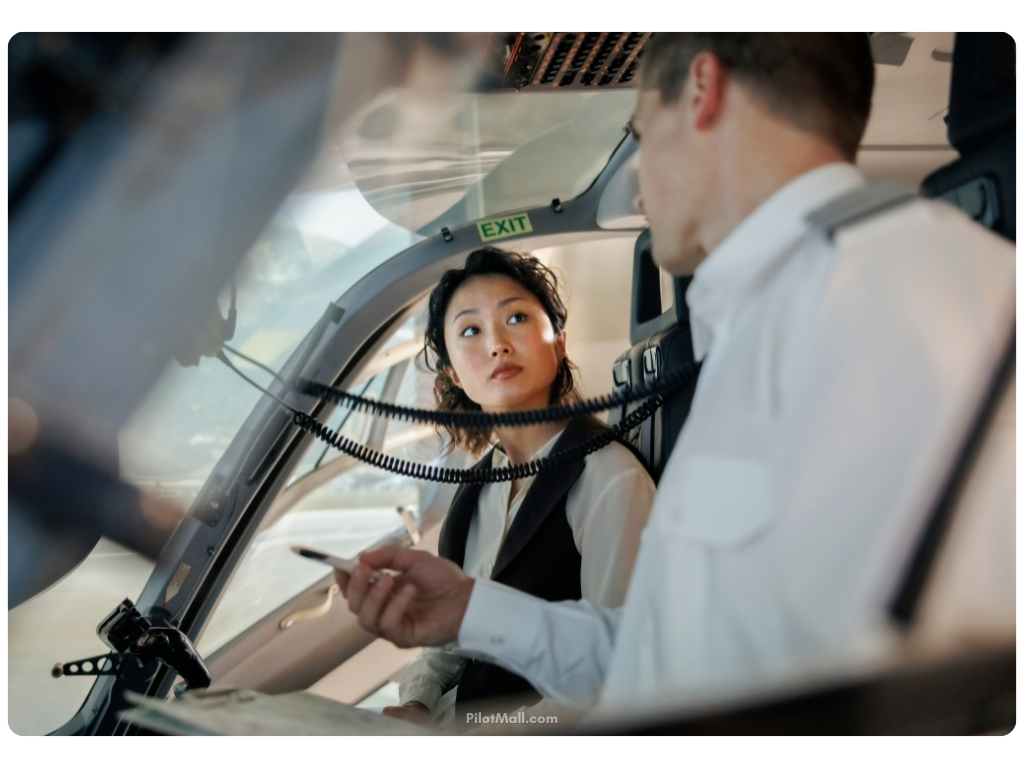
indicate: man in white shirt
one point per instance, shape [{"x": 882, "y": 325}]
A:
[{"x": 841, "y": 373}]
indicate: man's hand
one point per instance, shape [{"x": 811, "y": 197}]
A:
[
  {"x": 422, "y": 604},
  {"x": 413, "y": 712}
]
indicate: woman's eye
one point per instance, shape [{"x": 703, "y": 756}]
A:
[
  {"x": 470, "y": 331},
  {"x": 518, "y": 317}
]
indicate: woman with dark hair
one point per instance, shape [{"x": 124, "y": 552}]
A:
[{"x": 496, "y": 330}]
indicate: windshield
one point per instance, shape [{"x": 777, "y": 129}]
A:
[
  {"x": 316, "y": 248},
  {"x": 320, "y": 242},
  {"x": 427, "y": 161}
]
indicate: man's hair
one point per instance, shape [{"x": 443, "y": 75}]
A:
[{"x": 819, "y": 82}]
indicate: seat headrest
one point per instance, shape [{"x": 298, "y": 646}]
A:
[
  {"x": 982, "y": 94},
  {"x": 646, "y": 317}
]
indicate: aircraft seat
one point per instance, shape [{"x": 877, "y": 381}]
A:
[
  {"x": 981, "y": 125},
  {"x": 982, "y": 181},
  {"x": 661, "y": 343}
]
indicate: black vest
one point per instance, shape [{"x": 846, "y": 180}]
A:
[{"x": 538, "y": 555}]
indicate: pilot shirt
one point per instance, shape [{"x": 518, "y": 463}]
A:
[
  {"x": 840, "y": 377},
  {"x": 607, "y": 508}
]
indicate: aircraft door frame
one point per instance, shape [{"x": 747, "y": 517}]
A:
[{"x": 229, "y": 509}]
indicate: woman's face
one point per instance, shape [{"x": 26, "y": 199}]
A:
[{"x": 503, "y": 349}]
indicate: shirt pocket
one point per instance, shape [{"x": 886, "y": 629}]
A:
[{"x": 721, "y": 502}]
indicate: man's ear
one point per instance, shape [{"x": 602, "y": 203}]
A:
[
  {"x": 705, "y": 90},
  {"x": 453, "y": 376}
]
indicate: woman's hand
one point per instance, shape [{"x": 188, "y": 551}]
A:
[
  {"x": 413, "y": 712},
  {"x": 421, "y": 604}
]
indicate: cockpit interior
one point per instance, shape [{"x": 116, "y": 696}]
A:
[{"x": 200, "y": 221}]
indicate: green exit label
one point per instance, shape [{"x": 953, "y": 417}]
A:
[{"x": 504, "y": 226}]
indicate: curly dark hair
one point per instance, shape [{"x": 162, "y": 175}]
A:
[{"x": 527, "y": 272}]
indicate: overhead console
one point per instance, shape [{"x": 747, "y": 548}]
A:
[{"x": 565, "y": 60}]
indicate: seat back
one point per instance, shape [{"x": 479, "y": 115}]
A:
[
  {"x": 944, "y": 598},
  {"x": 661, "y": 343},
  {"x": 981, "y": 125}
]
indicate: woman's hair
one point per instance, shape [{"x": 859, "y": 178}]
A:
[{"x": 525, "y": 271}]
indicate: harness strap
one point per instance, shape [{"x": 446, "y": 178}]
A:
[
  {"x": 862, "y": 203},
  {"x": 854, "y": 207}
]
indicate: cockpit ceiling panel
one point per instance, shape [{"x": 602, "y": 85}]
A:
[
  {"x": 437, "y": 150},
  {"x": 566, "y": 60}
]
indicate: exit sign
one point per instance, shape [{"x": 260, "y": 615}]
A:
[{"x": 504, "y": 226}]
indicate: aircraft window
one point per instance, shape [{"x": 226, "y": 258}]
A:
[
  {"x": 426, "y": 161},
  {"x": 271, "y": 574},
  {"x": 349, "y": 423},
  {"x": 60, "y": 625},
  {"x": 316, "y": 247},
  {"x": 404, "y": 344},
  {"x": 332, "y": 502}
]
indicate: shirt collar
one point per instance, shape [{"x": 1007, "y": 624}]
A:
[
  {"x": 737, "y": 265},
  {"x": 499, "y": 459}
]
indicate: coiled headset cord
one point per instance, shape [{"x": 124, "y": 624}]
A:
[{"x": 653, "y": 395}]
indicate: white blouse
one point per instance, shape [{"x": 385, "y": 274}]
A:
[{"x": 607, "y": 509}]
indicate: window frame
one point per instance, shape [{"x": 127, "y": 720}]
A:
[{"x": 254, "y": 470}]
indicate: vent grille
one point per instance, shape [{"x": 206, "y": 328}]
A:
[{"x": 571, "y": 60}]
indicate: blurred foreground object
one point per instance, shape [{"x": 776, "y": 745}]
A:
[
  {"x": 241, "y": 712},
  {"x": 59, "y": 506},
  {"x": 142, "y": 168}
]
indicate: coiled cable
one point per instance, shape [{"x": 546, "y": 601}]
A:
[
  {"x": 684, "y": 375},
  {"x": 653, "y": 395},
  {"x": 476, "y": 475}
]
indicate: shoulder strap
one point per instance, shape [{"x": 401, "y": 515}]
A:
[
  {"x": 903, "y": 608},
  {"x": 855, "y": 206},
  {"x": 451, "y": 543},
  {"x": 545, "y": 493}
]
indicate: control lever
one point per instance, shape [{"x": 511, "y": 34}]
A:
[
  {"x": 173, "y": 648},
  {"x": 129, "y": 634}
]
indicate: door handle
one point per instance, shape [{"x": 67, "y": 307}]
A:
[{"x": 311, "y": 613}]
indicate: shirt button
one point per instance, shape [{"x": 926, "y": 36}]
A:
[{"x": 497, "y": 640}]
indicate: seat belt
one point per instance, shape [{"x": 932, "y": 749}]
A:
[
  {"x": 860, "y": 204},
  {"x": 906, "y": 600},
  {"x": 852, "y": 208}
]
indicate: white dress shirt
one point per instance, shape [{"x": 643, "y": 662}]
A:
[
  {"x": 840, "y": 378},
  {"x": 607, "y": 509}
]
